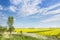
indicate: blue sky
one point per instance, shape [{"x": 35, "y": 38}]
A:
[{"x": 31, "y": 13}]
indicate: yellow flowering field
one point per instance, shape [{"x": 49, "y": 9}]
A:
[{"x": 41, "y": 31}]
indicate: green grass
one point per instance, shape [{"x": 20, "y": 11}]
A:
[
  {"x": 18, "y": 37},
  {"x": 22, "y": 37}
]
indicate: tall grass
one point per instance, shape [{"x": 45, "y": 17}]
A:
[{"x": 18, "y": 37}]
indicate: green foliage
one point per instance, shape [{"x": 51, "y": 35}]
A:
[
  {"x": 11, "y": 29},
  {"x": 10, "y": 21},
  {"x": 5, "y": 29},
  {"x": 10, "y": 24},
  {"x": 2, "y": 29}
]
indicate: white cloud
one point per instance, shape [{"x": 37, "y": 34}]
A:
[
  {"x": 1, "y": 8},
  {"x": 27, "y": 7},
  {"x": 46, "y": 11},
  {"x": 54, "y": 18},
  {"x": 53, "y": 12},
  {"x": 12, "y": 8},
  {"x": 28, "y": 10},
  {"x": 15, "y": 2},
  {"x": 53, "y": 6}
]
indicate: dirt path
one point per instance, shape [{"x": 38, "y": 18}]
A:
[
  {"x": 39, "y": 36},
  {"x": 32, "y": 35},
  {"x": 35, "y": 35}
]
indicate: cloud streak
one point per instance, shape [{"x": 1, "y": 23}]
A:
[
  {"x": 29, "y": 7},
  {"x": 52, "y": 19},
  {"x": 12, "y": 8},
  {"x": 53, "y": 12},
  {"x": 45, "y": 11},
  {"x": 15, "y": 2}
]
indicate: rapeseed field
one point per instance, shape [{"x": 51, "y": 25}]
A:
[{"x": 41, "y": 31}]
